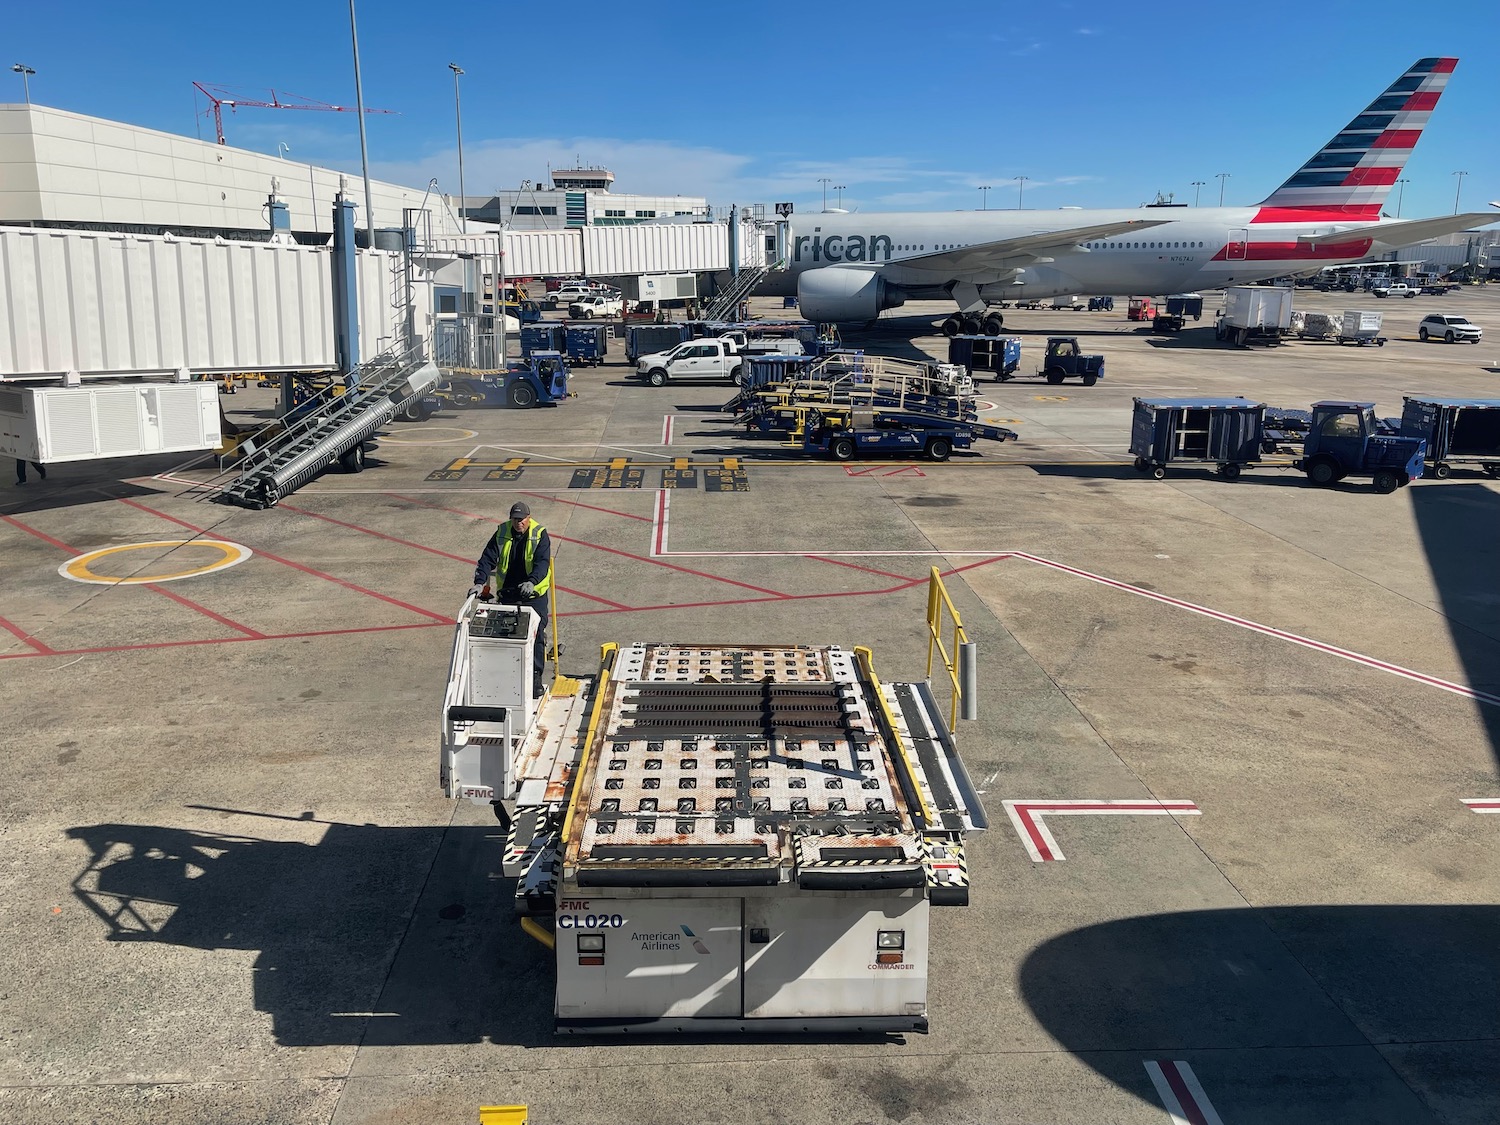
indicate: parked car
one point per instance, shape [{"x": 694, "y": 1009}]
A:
[
  {"x": 1398, "y": 289},
  {"x": 595, "y": 305},
  {"x": 1450, "y": 329},
  {"x": 574, "y": 290}
]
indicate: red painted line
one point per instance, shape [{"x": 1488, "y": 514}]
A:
[
  {"x": 40, "y": 535},
  {"x": 614, "y": 551},
  {"x": 581, "y": 504},
  {"x": 225, "y": 640},
  {"x": 180, "y": 600},
  {"x": 659, "y": 524},
  {"x": 666, "y": 429},
  {"x": 26, "y": 638},
  {"x": 152, "y": 586},
  {"x": 1184, "y": 1095},
  {"x": 856, "y": 566},
  {"x": 851, "y": 472},
  {"x": 358, "y": 589},
  {"x": 904, "y": 469},
  {"x": 1037, "y": 839}
]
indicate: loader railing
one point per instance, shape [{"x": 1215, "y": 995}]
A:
[{"x": 940, "y": 612}]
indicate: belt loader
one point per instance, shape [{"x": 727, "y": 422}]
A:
[{"x": 723, "y": 837}]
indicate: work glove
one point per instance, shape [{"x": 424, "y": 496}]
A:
[
  {"x": 528, "y": 589},
  {"x": 481, "y": 591}
]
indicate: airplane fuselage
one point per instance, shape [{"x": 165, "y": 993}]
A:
[{"x": 1197, "y": 248}]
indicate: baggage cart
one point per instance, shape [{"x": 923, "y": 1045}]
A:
[
  {"x": 1360, "y": 327},
  {"x": 1459, "y": 431},
  {"x": 999, "y": 355},
  {"x": 586, "y": 345},
  {"x": 543, "y": 338},
  {"x": 1224, "y": 432}
]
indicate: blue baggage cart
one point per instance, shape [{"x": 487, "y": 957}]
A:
[
  {"x": 543, "y": 338},
  {"x": 1458, "y": 431},
  {"x": 586, "y": 345},
  {"x": 1224, "y": 432},
  {"x": 999, "y": 355}
]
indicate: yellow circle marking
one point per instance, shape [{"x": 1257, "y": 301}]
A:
[
  {"x": 80, "y": 569},
  {"x": 459, "y": 433}
]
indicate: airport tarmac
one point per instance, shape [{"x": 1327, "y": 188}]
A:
[{"x": 233, "y": 893}]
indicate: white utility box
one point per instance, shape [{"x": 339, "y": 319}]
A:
[{"x": 59, "y": 424}]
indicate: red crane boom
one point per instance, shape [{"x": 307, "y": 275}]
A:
[{"x": 220, "y": 96}]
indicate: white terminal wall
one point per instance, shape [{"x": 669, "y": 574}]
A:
[
  {"x": 108, "y": 303},
  {"x": 65, "y": 167}
]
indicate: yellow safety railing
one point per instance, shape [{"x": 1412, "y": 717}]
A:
[{"x": 937, "y": 602}]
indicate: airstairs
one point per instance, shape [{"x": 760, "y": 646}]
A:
[
  {"x": 332, "y": 426},
  {"x": 743, "y": 284}
]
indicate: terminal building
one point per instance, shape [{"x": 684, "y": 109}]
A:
[{"x": 581, "y": 197}]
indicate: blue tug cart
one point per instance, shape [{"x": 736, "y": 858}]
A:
[
  {"x": 540, "y": 379},
  {"x": 1223, "y": 432}
]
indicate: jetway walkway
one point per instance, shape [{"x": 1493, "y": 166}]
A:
[{"x": 334, "y": 426}]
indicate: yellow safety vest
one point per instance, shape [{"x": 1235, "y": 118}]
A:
[{"x": 533, "y": 537}]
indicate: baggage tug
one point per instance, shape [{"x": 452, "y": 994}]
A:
[{"x": 726, "y": 838}]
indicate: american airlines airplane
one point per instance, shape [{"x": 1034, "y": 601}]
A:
[{"x": 849, "y": 267}]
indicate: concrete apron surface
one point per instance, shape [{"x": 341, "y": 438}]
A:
[{"x": 233, "y": 894}]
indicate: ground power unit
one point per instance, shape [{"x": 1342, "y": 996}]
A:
[
  {"x": 58, "y": 424},
  {"x": 717, "y": 837}
]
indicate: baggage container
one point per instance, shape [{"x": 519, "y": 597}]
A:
[
  {"x": 1000, "y": 355},
  {"x": 1225, "y": 432},
  {"x": 1361, "y": 327},
  {"x": 1458, "y": 431},
  {"x": 648, "y": 339},
  {"x": 1254, "y": 314},
  {"x": 543, "y": 338},
  {"x": 586, "y": 345}
]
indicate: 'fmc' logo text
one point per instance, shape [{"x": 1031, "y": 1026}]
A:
[{"x": 843, "y": 248}]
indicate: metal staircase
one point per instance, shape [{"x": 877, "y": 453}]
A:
[
  {"x": 334, "y": 425},
  {"x": 744, "y": 283}
]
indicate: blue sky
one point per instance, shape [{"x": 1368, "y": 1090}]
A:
[{"x": 910, "y": 106}]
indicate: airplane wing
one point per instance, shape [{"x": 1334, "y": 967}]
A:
[
  {"x": 1402, "y": 232},
  {"x": 992, "y": 255}
]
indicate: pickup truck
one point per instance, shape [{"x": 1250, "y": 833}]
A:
[
  {"x": 586, "y": 308},
  {"x": 703, "y": 358},
  {"x": 1399, "y": 289}
]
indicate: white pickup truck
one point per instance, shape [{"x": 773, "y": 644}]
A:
[
  {"x": 598, "y": 305},
  {"x": 1399, "y": 289},
  {"x": 720, "y": 357}
]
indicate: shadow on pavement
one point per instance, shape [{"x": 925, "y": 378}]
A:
[
  {"x": 1188, "y": 985},
  {"x": 1460, "y": 528},
  {"x": 343, "y": 959}
]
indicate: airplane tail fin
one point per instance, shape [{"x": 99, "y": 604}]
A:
[{"x": 1353, "y": 173}]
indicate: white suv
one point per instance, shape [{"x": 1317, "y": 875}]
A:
[{"x": 1451, "y": 329}]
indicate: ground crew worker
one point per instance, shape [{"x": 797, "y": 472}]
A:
[{"x": 519, "y": 555}]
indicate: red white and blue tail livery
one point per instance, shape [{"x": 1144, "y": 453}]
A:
[
  {"x": 849, "y": 267},
  {"x": 1353, "y": 173}
]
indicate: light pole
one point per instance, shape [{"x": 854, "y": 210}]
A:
[
  {"x": 25, "y": 72},
  {"x": 364, "y": 148},
  {"x": 1459, "y": 190},
  {"x": 463, "y": 218},
  {"x": 984, "y": 197},
  {"x": 1221, "y": 177},
  {"x": 1021, "y": 190},
  {"x": 282, "y": 148},
  {"x": 1197, "y": 187},
  {"x": 1400, "y": 195},
  {"x": 825, "y": 181},
  {"x": 840, "y": 189}
]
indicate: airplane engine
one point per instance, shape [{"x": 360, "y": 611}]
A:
[{"x": 836, "y": 295}]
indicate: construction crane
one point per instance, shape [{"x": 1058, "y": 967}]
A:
[{"x": 221, "y": 96}]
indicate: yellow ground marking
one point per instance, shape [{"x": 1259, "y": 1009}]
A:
[
  {"x": 681, "y": 463},
  {"x": 1050, "y": 398},
  {"x": 619, "y": 462},
  {"x": 80, "y": 569}
]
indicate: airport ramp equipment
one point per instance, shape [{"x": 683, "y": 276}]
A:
[
  {"x": 726, "y": 303},
  {"x": 1225, "y": 432},
  {"x": 334, "y": 426},
  {"x": 1458, "y": 431}
]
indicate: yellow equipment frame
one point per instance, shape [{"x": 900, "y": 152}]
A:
[{"x": 938, "y": 601}]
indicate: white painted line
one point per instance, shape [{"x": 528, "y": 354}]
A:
[
  {"x": 1027, "y": 817},
  {"x": 660, "y": 515},
  {"x": 1483, "y": 804},
  {"x": 1267, "y": 630},
  {"x": 666, "y": 429},
  {"x": 1181, "y": 1093}
]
